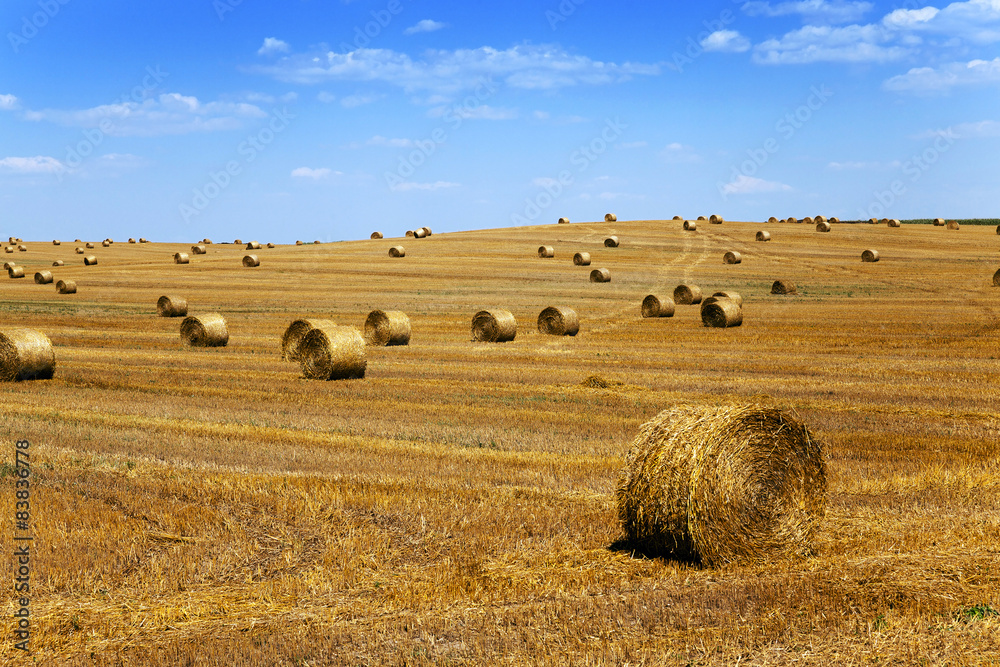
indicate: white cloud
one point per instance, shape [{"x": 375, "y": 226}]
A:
[
  {"x": 726, "y": 41},
  {"x": 943, "y": 79},
  {"x": 975, "y": 21},
  {"x": 984, "y": 129},
  {"x": 527, "y": 67},
  {"x": 427, "y": 25},
  {"x": 909, "y": 18},
  {"x": 378, "y": 140},
  {"x": 32, "y": 165},
  {"x": 748, "y": 185},
  {"x": 847, "y": 44},
  {"x": 8, "y": 102},
  {"x": 814, "y": 10},
  {"x": 315, "y": 174},
  {"x": 272, "y": 46},
  {"x": 438, "y": 185},
  {"x": 678, "y": 152},
  {"x": 358, "y": 99}
]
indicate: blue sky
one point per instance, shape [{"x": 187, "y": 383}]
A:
[{"x": 327, "y": 119}]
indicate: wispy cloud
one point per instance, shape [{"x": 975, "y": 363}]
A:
[
  {"x": 847, "y": 44},
  {"x": 379, "y": 140},
  {"x": 726, "y": 41},
  {"x": 984, "y": 129},
  {"x": 812, "y": 10},
  {"x": 38, "y": 164},
  {"x": 272, "y": 46},
  {"x": 748, "y": 185},
  {"x": 427, "y": 25},
  {"x": 8, "y": 102},
  {"x": 943, "y": 79},
  {"x": 314, "y": 174}
]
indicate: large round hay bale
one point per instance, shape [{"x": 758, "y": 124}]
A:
[
  {"x": 772, "y": 221},
  {"x": 298, "y": 242},
  {"x": 823, "y": 226},
  {"x": 687, "y": 295},
  {"x": 90, "y": 245},
  {"x": 678, "y": 218},
  {"x": 333, "y": 353},
  {"x": 996, "y": 278},
  {"x": 251, "y": 261},
  {"x": 939, "y": 222},
  {"x": 611, "y": 242},
  {"x": 419, "y": 233},
  {"x": 296, "y": 333},
  {"x": 834, "y": 220},
  {"x": 106, "y": 244},
  {"x": 377, "y": 235},
  {"x": 494, "y": 326},
  {"x": 558, "y": 321},
  {"x": 610, "y": 217},
  {"x": 131, "y": 240},
  {"x": 763, "y": 236},
  {"x": 715, "y": 219},
  {"x": 199, "y": 250},
  {"x": 872, "y": 221},
  {"x": 181, "y": 258},
  {"x": 58, "y": 262},
  {"x": 317, "y": 241},
  {"x": 600, "y": 276},
  {"x": 563, "y": 221},
  {"x": 253, "y": 245},
  {"x": 721, "y": 313},
  {"x": 66, "y": 287},
  {"x": 142, "y": 240},
  {"x": 208, "y": 330},
  {"x": 869, "y": 256},
  {"x": 807, "y": 220},
  {"x": 657, "y": 306},
  {"x": 7, "y": 265},
  {"x": 723, "y": 484},
  {"x": 387, "y": 327},
  {"x": 237, "y": 242},
  {"x": 732, "y": 296},
  {"x": 79, "y": 251},
  {"x": 89, "y": 260},
  {"x": 409, "y": 233},
  {"x": 953, "y": 224},
  {"x": 10, "y": 249},
  {"x": 172, "y": 306},
  {"x": 546, "y": 251},
  {"x": 43, "y": 278},
  {"x": 690, "y": 226},
  {"x": 820, "y": 218},
  {"x": 783, "y": 287},
  {"x": 15, "y": 272},
  {"x": 732, "y": 257},
  {"x": 581, "y": 259},
  {"x": 22, "y": 248},
  {"x": 56, "y": 242},
  {"x": 793, "y": 221},
  {"x": 428, "y": 230},
  {"x": 702, "y": 218},
  {"x": 25, "y": 354},
  {"x": 205, "y": 241},
  {"x": 397, "y": 251},
  {"x": 894, "y": 223},
  {"x": 270, "y": 245},
  {"x": 998, "y": 229}
]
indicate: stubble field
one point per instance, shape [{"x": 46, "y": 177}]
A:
[{"x": 456, "y": 506}]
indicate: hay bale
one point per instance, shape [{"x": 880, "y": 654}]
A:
[
  {"x": 678, "y": 218},
  {"x": 253, "y": 245},
  {"x": 610, "y": 217},
  {"x": 7, "y": 265},
  {"x": 419, "y": 233},
  {"x": 807, "y": 220},
  {"x": 657, "y": 306},
  {"x": 296, "y": 333},
  {"x": 172, "y": 306},
  {"x": 79, "y": 251},
  {"x": 894, "y": 223},
  {"x": 823, "y": 226},
  {"x": 333, "y": 353},
  {"x": 581, "y": 259},
  {"x": 237, "y": 242},
  {"x": 732, "y": 257},
  {"x": 142, "y": 240},
  {"x": 9, "y": 250},
  {"x": 317, "y": 242},
  {"x": 702, "y": 218},
  {"x": 397, "y": 251},
  {"x": 58, "y": 262},
  {"x": 600, "y": 276},
  {"x": 546, "y": 251},
  {"x": 56, "y": 242},
  {"x": 732, "y": 296},
  {"x": 494, "y": 326},
  {"x": 721, "y": 313},
  {"x": 611, "y": 242},
  {"x": 15, "y": 272},
  {"x": 387, "y": 327},
  {"x": 377, "y": 235},
  {"x": 66, "y": 287},
  {"x": 953, "y": 224},
  {"x": 690, "y": 226},
  {"x": 90, "y": 245},
  {"x": 723, "y": 484},
  {"x": 409, "y": 233},
  {"x": 998, "y": 229},
  {"x": 820, "y": 218},
  {"x": 199, "y": 250},
  {"x": 687, "y": 295},
  {"x": 872, "y": 221},
  {"x": 784, "y": 287},
  {"x": 25, "y": 354},
  {"x": 106, "y": 244},
  {"x": 557, "y": 321},
  {"x": 181, "y": 258},
  {"x": 428, "y": 231},
  {"x": 298, "y": 243},
  {"x": 270, "y": 245},
  {"x": 206, "y": 241},
  {"x": 43, "y": 278},
  {"x": 251, "y": 261},
  {"x": 939, "y": 222},
  {"x": 131, "y": 240},
  {"x": 771, "y": 221},
  {"x": 22, "y": 248},
  {"x": 563, "y": 221},
  {"x": 11, "y": 240},
  {"x": 208, "y": 330},
  {"x": 763, "y": 236},
  {"x": 869, "y": 256},
  {"x": 793, "y": 221},
  {"x": 996, "y": 278},
  {"x": 835, "y": 221},
  {"x": 715, "y": 219}
]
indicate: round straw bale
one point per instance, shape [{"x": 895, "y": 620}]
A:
[
  {"x": 237, "y": 242},
  {"x": 563, "y": 221},
  {"x": 90, "y": 260},
  {"x": 557, "y": 321},
  {"x": 546, "y": 251},
  {"x": 894, "y": 223},
  {"x": 253, "y": 245},
  {"x": 333, "y": 353},
  {"x": 419, "y": 233},
  {"x": 732, "y": 257},
  {"x": 793, "y": 221},
  {"x": 998, "y": 229},
  {"x": 610, "y": 217},
  {"x": 172, "y": 306},
  {"x": 611, "y": 242},
  {"x": 298, "y": 243},
  {"x": 142, "y": 240},
  {"x": 80, "y": 251},
  {"x": 820, "y": 218},
  {"x": 131, "y": 240},
  {"x": 12, "y": 240},
  {"x": 715, "y": 219},
  {"x": 58, "y": 262},
  {"x": 939, "y": 222},
  {"x": 428, "y": 230},
  {"x": 783, "y": 287},
  {"x": 702, "y": 218},
  {"x": 953, "y": 224},
  {"x": 15, "y": 272},
  {"x": 581, "y": 259},
  {"x": 66, "y": 287},
  {"x": 678, "y": 218},
  {"x": 377, "y": 235},
  {"x": 206, "y": 241},
  {"x": 25, "y": 354},
  {"x": 22, "y": 248},
  {"x": 409, "y": 233},
  {"x": 9, "y": 249},
  {"x": 295, "y": 333},
  {"x": 834, "y": 220},
  {"x": 106, "y": 244},
  {"x": 600, "y": 276},
  {"x": 823, "y": 226},
  {"x": 872, "y": 221},
  {"x": 869, "y": 256},
  {"x": 763, "y": 236},
  {"x": 56, "y": 242},
  {"x": 723, "y": 484},
  {"x": 657, "y": 306},
  {"x": 8, "y": 265},
  {"x": 690, "y": 225},
  {"x": 387, "y": 327},
  {"x": 199, "y": 250},
  {"x": 270, "y": 245},
  {"x": 43, "y": 278},
  {"x": 397, "y": 251},
  {"x": 996, "y": 278},
  {"x": 181, "y": 258},
  {"x": 721, "y": 313},
  {"x": 732, "y": 296},
  {"x": 251, "y": 261},
  {"x": 494, "y": 326},
  {"x": 771, "y": 221},
  {"x": 90, "y": 245},
  {"x": 208, "y": 330},
  {"x": 317, "y": 242},
  {"x": 687, "y": 295}
]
